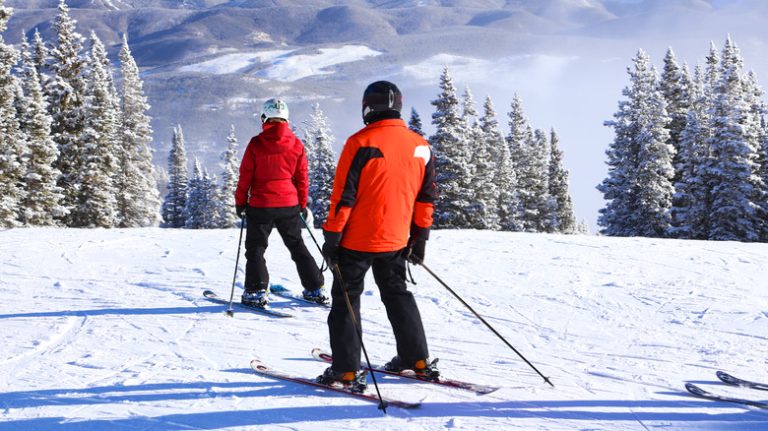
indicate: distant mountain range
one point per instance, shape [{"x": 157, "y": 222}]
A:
[{"x": 209, "y": 63}]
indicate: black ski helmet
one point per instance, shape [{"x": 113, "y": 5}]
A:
[{"x": 379, "y": 97}]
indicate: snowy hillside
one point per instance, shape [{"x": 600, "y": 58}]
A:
[{"x": 107, "y": 329}]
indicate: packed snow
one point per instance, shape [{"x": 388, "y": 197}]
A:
[{"x": 107, "y": 329}]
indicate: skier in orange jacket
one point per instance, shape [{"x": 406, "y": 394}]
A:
[{"x": 380, "y": 215}]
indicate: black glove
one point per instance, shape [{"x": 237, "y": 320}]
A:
[
  {"x": 304, "y": 213},
  {"x": 331, "y": 247},
  {"x": 416, "y": 251},
  {"x": 240, "y": 210}
]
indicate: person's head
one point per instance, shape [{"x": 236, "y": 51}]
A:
[
  {"x": 274, "y": 110},
  {"x": 381, "y": 100}
]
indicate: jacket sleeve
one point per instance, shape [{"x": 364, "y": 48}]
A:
[
  {"x": 425, "y": 203},
  {"x": 246, "y": 175},
  {"x": 339, "y": 211},
  {"x": 301, "y": 178}
]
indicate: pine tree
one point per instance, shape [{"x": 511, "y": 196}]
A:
[
  {"x": 537, "y": 211},
  {"x": 735, "y": 213},
  {"x": 449, "y": 144},
  {"x": 558, "y": 187},
  {"x": 12, "y": 142},
  {"x": 66, "y": 97},
  {"x": 97, "y": 194},
  {"x": 488, "y": 145},
  {"x": 639, "y": 183},
  {"x": 178, "y": 181},
  {"x": 322, "y": 164},
  {"x": 194, "y": 201},
  {"x": 414, "y": 123},
  {"x": 229, "y": 177},
  {"x": 139, "y": 199},
  {"x": 42, "y": 205},
  {"x": 692, "y": 201},
  {"x": 675, "y": 86}
]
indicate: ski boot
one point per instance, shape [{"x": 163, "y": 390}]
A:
[
  {"x": 256, "y": 298},
  {"x": 355, "y": 381},
  {"x": 421, "y": 368},
  {"x": 316, "y": 295}
]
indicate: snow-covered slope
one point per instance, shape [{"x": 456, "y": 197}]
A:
[{"x": 107, "y": 329}]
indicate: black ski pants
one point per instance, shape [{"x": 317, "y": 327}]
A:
[
  {"x": 260, "y": 224},
  {"x": 402, "y": 311}
]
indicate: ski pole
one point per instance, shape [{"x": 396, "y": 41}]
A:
[
  {"x": 230, "y": 311},
  {"x": 358, "y": 329},
  {"x": 546, "y": 379},
  {"x": 311, "y": 235}
]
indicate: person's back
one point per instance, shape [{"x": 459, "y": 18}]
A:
[
  {"x": 394, "y": 161},
  {"x": 278, "y": 176},
  {"x": 272, "y": 191}
]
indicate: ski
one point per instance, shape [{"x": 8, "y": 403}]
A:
[
  {"x": 735, "y": 381},
  {"x": 265, "y": 370},
  {"x": 322, "y": 356},
  {"x": 281, "y": 290},
  {"x": 210, "y": 295},
  {"x": 699, "y": 392}
]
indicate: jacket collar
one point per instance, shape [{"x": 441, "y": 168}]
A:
[{"x": 385, "y": 123}]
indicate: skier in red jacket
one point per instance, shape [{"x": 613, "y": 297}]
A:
[{"x": 272, "y": 191}]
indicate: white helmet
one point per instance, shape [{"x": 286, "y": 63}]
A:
[{"x": 274, "y": 108}]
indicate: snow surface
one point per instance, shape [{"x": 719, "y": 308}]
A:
[
  {"x": 107, "y": 330},
  {"x": 281, "y": 65}
]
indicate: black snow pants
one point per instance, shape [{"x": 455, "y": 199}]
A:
[
  {"x": 260, "y": 224},
  {"x": 402, "y": 311}
]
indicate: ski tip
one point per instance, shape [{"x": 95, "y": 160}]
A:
[{"x": 207, "y": 292}]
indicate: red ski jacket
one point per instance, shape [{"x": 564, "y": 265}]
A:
[{"x": 273, "y": 172}]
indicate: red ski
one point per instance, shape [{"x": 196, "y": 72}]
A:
[
  {"x": 265, "y": 370},
  {"x": 479, "y": 389}
]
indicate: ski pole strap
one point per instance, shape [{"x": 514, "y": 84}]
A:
[{"x": 409, "y": 278}]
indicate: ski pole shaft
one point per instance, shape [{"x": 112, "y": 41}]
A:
[
  {"x": 311, "y": 234},
  {"x": 546, "y": 379},
  {"x": 230, "y": 311},
  {"x": 359, "y": 332}
]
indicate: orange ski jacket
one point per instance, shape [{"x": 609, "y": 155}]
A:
[{"x": 384, "y": 189}]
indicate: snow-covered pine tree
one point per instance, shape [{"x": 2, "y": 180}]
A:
[
  {"x": 675, "y": 86},
  {"x": 12, "y": 142},
  {"x": 322, "y": 164},
  {"x": 227, "y": 215},
  {"x": 40, "y": 55},
  {"x": 692, "y": 201},
  {"x": 42, "y": 205},
  {"x": 201, "y": 211},
  {"x": 488, "y": 143},
  {"x": 519, "y": 131},
  {"x": 178, "y": 182},
  {"x": 139, "y": 200},
  {"x": 506, "y": 181},
  {"x": 558, "y": 187},
  {"x": 195, "y": 199},
  {"x": 450, "y": 147},
  {"x": 66, "y": 98},
  {"x": 529, "y": 153},
  {"x": 756, "y": 134},
  {"x": 97, "y": 195},
  {"x": 735, "y": 214},
  {"x": 639, "y": 183},
  {"x": 537, "y": 208},
  {"x": 414, "y": 123}
]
